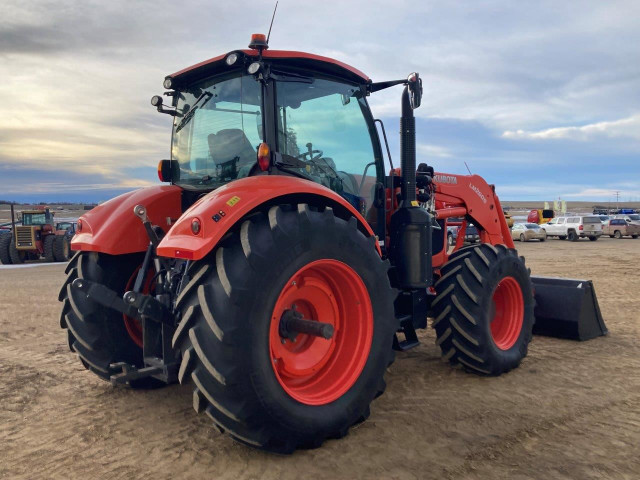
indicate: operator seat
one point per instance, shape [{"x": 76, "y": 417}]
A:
[{"x": 229, "y": 144}]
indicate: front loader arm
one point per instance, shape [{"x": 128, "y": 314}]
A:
[{"x": 471, "y": 196}]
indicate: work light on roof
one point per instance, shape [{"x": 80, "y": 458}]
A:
[
  {"x": 253, "y": 68},
  {"x": 168, "y": 82},
  {"x": 231, "y": 59}
]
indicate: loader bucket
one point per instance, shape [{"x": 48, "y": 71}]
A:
[{"x": 567, "y": 308}]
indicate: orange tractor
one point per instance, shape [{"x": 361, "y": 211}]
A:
[
  {"x": 36, "y": 237},
  {"x": 284, "y": 264}
]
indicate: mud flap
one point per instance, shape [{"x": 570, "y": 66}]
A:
[{"x": 567, "y": 308}]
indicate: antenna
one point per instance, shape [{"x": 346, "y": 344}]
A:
[
  {"x": 465, "y": 164},
  {"x": 274, "y": 16}
]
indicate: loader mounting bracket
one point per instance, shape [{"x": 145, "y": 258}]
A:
[{"x": 411, "y": 313}]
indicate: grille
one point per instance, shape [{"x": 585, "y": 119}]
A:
[{"x": 24, "y": 236}]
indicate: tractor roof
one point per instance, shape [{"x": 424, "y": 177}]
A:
[{"x": 297, "y": 59}]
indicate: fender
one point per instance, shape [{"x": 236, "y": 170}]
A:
[
  {"x": 221, "y": 209},
  {"x": 113, "y": 228}
]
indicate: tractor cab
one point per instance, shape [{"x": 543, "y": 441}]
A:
[
  {"x": 37, "y": 217},
  {"x": 262, "y": 112}
]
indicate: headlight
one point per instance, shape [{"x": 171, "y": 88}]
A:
[
  {"x": 168, "y": 83},
  {"x": 156, "y": 100},
  {"x": 231, "y": 59},
  {"x": 253, "y": 68}
]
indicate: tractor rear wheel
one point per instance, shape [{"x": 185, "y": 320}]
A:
[
  {"x": 5, "y": 241},
  {"x": 99, "y": 335},
  {"x": 17, "y": 256},
  {"x": 48, "y": 248},
  {"x": 483, "y": 311},
  {"x": 266, "y": 389},
  {"x": 62, "y": 248}
]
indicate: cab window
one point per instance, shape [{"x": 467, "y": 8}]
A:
[{"x": 321, "y": 123}]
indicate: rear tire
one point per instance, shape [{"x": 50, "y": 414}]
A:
[
  {"x": 61, "y": 248},
  {"x": 227, "y": 341},
  {"x": 48, "y": 248},
  {"x": 97, "y": 333},
  {"x": 572, "y": 236},
  {"x": 562, "y": 237},
  {"x": 634, "y": 236},
  {"x": 483, "y": 311},
  {"x": 17, "y": 256},
  {"x": 5, "y": 242}
]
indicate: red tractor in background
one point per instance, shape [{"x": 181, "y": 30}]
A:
[
  {"x": 282, "y": 266},
  {"x": 38, "y": 236}
]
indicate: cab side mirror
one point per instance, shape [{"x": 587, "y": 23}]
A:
[{"x": 414, "y": 83}]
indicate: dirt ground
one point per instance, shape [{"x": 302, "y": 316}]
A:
[{"x": 571, "y": 411}]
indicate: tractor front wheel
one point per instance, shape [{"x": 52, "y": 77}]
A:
[
  {"x": 5, "y": 242},
  {"x": 99, "y": 335},
  {"x": 268, "y": 384},
  {"x": 17, "y": 256},
  {"x": 483, "y": 311}
]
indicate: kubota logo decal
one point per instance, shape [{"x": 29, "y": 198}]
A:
[
  {"x": 446, "y": 179},
  {"x": 477, "y": 190}
]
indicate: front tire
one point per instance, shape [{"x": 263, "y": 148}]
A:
[
  {"x": 593, "y": 239},
  {"x": 483, "y": 310},
  {"x": 17, "y": 256},
  {"x": 5, "y": 242},
  {"x": 96, "y": 333},
  {"x": 522, "y": 238},
  {"x": 572, "y": 236},
  {"x": 266, "y": 391},
  {"x": 617, "y": 234}
]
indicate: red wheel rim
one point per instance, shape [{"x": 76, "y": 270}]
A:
[
  {"x": 508, "y": 315},
  {"x": 314, "y": 370},
  {"x": 134, "y": 325}
]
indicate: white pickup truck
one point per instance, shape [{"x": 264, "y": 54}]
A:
[{"x": 574, "y": 227}]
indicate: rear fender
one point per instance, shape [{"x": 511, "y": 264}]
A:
[
  {"x": 113, "y": 228},
  {"x": 223, "y": 208}
]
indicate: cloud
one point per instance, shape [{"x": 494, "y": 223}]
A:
[{"x": 626, "y": 127}]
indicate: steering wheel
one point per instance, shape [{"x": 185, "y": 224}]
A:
[{"x": 311, "y": 155}]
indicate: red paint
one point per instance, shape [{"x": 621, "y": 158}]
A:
[
  {"x": 235, "y": 200},
  {"x": 113, "y": 228},
  {"x": 313, "y": 370},
  {"x": 277, "y": 54},
  {"x": 509, "y": 313}
]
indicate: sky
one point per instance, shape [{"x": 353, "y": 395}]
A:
[{"x": 540, "y": 98}]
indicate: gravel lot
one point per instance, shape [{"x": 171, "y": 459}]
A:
[{"x": 571, "y": 411}]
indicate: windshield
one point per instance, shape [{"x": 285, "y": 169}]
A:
[
  {"x": 217, "y": 131},
  {"x": 34, "y": 219},
  {"x": 634, "y": 217}
]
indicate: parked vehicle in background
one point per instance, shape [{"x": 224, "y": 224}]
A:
[
  {"x": 37, "y": 236},
  {"x": 604, "y": 218},
  {"x": 618, "y": 228},
  {"x": 528, "y": 231},
  {"x": 574, "y": 227},
  {"x": 632, "y": 218},
  {"x": 470, "y": 235},
  {"x": 540, "y": 216},
  {"x": 509, "y": 219}
]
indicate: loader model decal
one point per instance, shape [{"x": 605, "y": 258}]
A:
[{"x": 478, "y": 192}]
